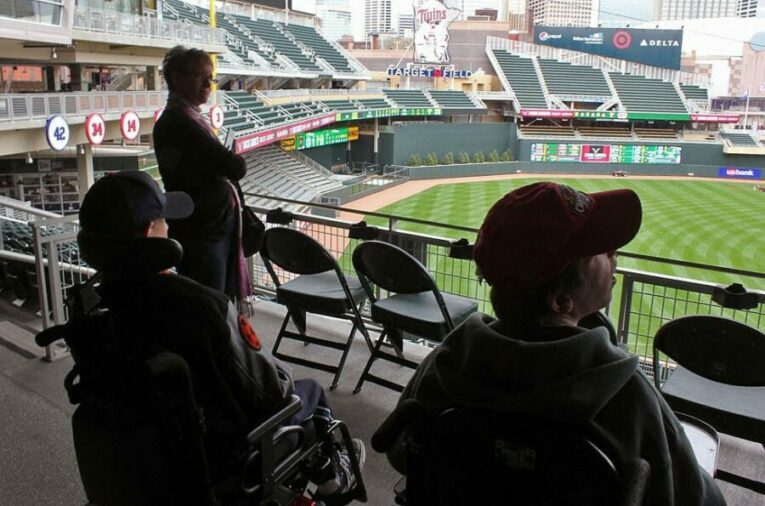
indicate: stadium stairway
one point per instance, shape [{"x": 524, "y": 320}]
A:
[
  {"x": 521, "y": 74},
  {"x": 271, "y": 171}
]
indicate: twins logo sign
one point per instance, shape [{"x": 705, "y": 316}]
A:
[{"x": 431, "y": 37}]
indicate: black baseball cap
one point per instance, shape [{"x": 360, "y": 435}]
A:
[{"x": 120, "y": 205}]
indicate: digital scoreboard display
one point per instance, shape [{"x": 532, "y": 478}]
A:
[
  {"x": 606, "y": 153},
  {"x": 319, "y": 138}
]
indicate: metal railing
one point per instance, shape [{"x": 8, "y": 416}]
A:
[
  {"x": 149, "y": 27},
  {"x": 22, "y": 107},
  {"x": 645, "y": 301},
  {"x": 305, "y": 92},
  {"x": 609, "y": 64}
]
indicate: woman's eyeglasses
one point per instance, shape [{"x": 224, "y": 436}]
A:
[{"x": 208, "y": 78}]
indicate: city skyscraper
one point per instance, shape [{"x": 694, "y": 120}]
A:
[
  {"x": 564, "y": 13},
  {"x": 336, "y": 18},
  {"x": 751, "y": 9},
  {"x": 695, "y": 9},
  {"x": 378, "y": 17},
  {"x": 622, "y": 12}
]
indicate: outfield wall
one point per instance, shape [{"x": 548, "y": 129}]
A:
[
  {"x": 399, "y": 142},
  {"x": 491, "y": 169}
]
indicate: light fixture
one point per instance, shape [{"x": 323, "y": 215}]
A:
[
  {"x": 29, "y": 159},
  {"x": 53, "y": 53}
]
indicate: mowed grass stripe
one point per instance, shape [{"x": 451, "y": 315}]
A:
[{"x": 704, "y": 222}]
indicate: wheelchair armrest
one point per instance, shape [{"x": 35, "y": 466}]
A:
[
  {"x": 275, "y": 420},
  {"x": 397, "y": 422}
]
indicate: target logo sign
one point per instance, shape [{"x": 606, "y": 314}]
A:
[
  {"x": 56, "y": 132},
  {"x": 130, "y": 125},
  {"x": 216, "y": 116},
  {"x": 622, "y": 40},
  {"x": 95, "y": 129}
]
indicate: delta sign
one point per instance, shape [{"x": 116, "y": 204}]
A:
[{"x": 659, "y": 48}]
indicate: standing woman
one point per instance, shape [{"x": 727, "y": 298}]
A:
[{"x": 193, "y": 160}]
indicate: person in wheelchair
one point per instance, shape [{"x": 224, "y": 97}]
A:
[
  {"x": 237, "y": 384},
  {"x": 549, "y": 254}
]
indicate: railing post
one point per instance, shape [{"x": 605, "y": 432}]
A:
[{"x": 623, "y": 325}]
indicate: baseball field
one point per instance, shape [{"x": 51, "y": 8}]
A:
[{"x": 706, "y": 222}]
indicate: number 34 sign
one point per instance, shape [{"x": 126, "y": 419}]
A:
[{"x": 57, "y": 132}]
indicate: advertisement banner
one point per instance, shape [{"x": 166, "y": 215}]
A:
[
  {"x": 596, "y": 154},
  {"x": 659, "y": 48},
  {"x": 739, "y": 173},
  {"x": 431, "y": 30},
  {"x": 264, "y": 138}
]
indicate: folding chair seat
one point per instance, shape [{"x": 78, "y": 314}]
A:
[
  {"x": 416, "y": 305},
  {"x": 719, "y": 377},
  {"x": 465, "y": 456},
  {"x": 319, "y": 288}
]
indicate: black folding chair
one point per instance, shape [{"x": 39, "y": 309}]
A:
[
  {"x": 320, "y": 288},
  {"x": 476, "y": 457},
  {"x": 416, "y": 305},
  {"x": 719, "y": 377}
]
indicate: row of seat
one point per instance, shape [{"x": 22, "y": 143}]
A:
[{"x": 635, "y": 92}]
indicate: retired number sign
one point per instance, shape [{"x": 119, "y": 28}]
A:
[
  {"x": 57, "y": 132},
  {"x": 95, "y": 129},
  {"x": 130, "y": 125},
  {"x": 216, "y": 116}
]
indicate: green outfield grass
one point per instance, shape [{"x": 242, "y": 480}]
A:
[{"x": 713, "y": 223}]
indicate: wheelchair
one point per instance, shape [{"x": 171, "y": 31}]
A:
[
  {"x": 139, "y": 433},
  {"x": 468, "y": 456}
]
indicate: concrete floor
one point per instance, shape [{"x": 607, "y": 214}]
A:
[{"x": 37, "y": 463}]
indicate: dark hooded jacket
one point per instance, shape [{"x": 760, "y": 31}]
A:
[{"x": 566, "y": 375}]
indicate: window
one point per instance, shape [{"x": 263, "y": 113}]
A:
[{"x": 36, "y": 11}]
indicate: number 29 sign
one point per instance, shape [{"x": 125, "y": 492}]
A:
[{"x": 56, "y": 132}]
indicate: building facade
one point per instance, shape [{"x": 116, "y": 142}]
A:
[
  {"x": 378, "y": 17},
  {"x": 335, "y": 16},
  {"x": 569, "y": 13},
  {"x": 695, "y": 9}
]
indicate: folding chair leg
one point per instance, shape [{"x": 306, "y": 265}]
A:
[
  {"x": 280, "y": 335},
  {"x": 343, "y": 357},
  {"x": 363, "y": 328},
  {"x": 372, "y": 358}
]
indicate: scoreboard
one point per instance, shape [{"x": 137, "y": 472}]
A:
[
  {"x": 319, "y": 138},
  {"x": 606, "y": 153}
]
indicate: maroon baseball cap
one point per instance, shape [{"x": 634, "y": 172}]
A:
[{"x": 531, "y": 234}]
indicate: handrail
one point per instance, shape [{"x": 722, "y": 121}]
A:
[
  {"x": 145, "y": 26},
  {"x": 26, "y": 106},
  {"x": 625, "y": 254}
]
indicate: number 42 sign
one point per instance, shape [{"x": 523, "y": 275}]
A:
[{"x": 57, "y": 132}]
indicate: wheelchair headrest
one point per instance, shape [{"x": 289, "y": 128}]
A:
[{"x": 126, "y": 259}]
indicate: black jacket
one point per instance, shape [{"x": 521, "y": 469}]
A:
[
  {"x": 579, "y": 379},
  {"x": 236, "y": 386},
  {"x": 193, "y": 161}
]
